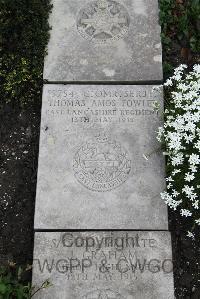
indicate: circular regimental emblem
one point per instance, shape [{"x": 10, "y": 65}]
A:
[
  {"x": 103, "y": 20},
  {"x": 102, "y": 294},
  {"x": 101, "y": 164}
]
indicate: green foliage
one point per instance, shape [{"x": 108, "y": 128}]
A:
[
  {"x": 166, "y": 18},
  {"x": 24, "y": 33},
  {"x": 167, "y": 67},
  {"x": 180, "y": 22},
  {"x": 194, "y": 28},
  {"x": 13, "y": 284}
]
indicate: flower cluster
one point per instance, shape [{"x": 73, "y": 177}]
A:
[{"x": 181, "y": 136}]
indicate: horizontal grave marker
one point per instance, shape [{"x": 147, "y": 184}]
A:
[
  {"x": 100, "y": 166},
  {"x": 104, "y": 265},
  {"x": 104, "y": 40}
]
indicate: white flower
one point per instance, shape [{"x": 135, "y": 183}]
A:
[
  {"x": 197, "y": 145},
  {"x": 169, "y": 179},
  {"x": 197, "y": 221},
  {"x": 193, "y": 196},
  {"x": 180, "y": 68},
  {"x": 178, "y": 159},
  {"x": 183, "y": 86},
  {"x": 168, "y": 82},
  {"x": 188, "y": 190},
  {"x": 185, "y": 213},
  {"x": 181, "y": 134},
  {"x": 194, "y": 159},
  {"x": 195, "y": 204},
  {"x": 178, "y": 98},
  {"x": 191, "y": 235},
  {"x": 175, "y": 193},
  {"x": 187, "y": 116},
  {"x": 169, "y": 186},
  {"x": 193, "y": 168},
  {"x": 190, "y": 126},
  {"x": 189, "y": 138},
  {"x": 196, "y": 68},
  {"x": 173, "y": 204},
  {"x": 189, "y": 177},
  {"x": 177, "y": 77},
  {"x": 189, "y": 77},
  {"x": 174, "y": 141}
]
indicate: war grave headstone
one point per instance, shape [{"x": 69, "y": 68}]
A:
[
  {"x": 104, "y": 265},
  {"x": 101, "y": 227},
  {"x": 104, "y": 40},
  {"x": 100, "y": 166}
]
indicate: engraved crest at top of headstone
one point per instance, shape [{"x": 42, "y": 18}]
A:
[
  {"x": 104, "y": 40},
  {"x": 103, "y": 20}
]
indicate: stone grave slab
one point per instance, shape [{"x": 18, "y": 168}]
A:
[
  {"x": 104, "y": 40},
  {"x": 104, "y": 265},
  {"x": 100, "y": 166}
]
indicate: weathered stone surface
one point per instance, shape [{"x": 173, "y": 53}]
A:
[
  {"x": 104, "y": 265},
  {"x": 104, "y": 40},
  {"x": 100, "y": 166}
]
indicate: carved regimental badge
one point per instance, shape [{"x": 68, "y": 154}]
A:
[
  {"x": 102, "y": 294},
  {"x": 103, "y": 20},
  {"x": 101, "y": 164}
]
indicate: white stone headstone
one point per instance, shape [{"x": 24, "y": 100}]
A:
[
  {"x": 108, "y": 40},
  {"x": 103, "y": 265},
  {"x": 100, "y": 166}
]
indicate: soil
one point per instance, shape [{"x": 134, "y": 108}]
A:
[
  {"x": 186, "y": 258},
  {"x": 19, "y": 138}
]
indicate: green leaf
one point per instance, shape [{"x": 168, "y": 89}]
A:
[{"x": 3, "y": 288}]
